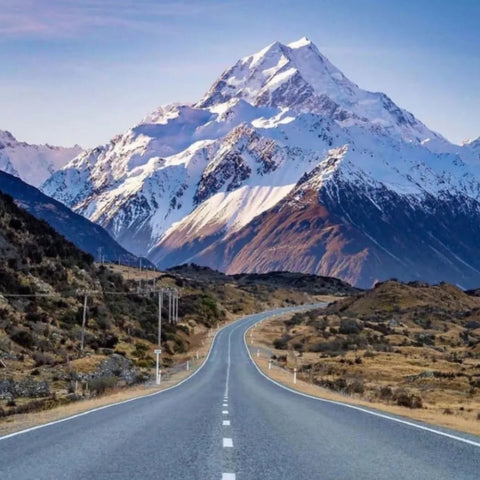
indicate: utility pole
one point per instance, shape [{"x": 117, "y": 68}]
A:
[
  {"x": 160, "y": 305},
  {"x": 85, "y": 294},
  {"x": 169, "y": 306},
  {"x": 84, "y": 321},
  {"x": 158, "y": 351},
  {"x": 176, "y": 306}
]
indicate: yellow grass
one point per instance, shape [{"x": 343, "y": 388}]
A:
[{"x": 435, "y": 402}]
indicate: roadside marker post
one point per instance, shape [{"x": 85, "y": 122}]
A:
[
  {"x": 158, "y": 374},
  {"x": 269, "y": 363},
  {"x": 294, "y": 375}
]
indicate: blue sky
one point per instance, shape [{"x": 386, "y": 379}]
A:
[{"x": 81, "y": 71}]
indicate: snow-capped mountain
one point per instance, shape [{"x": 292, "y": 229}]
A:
[
  {"x": 284, "y": 130},
  {"x": 32, "y": 163}
]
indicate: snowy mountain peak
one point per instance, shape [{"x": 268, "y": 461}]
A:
[
  {"x": 302, "y": 42},
  {"x": 32, "y": 163},
  {"x": 6, "y": 137},
  {"x": 298, "y": 77},
  {"x": 272, "y": 68}
]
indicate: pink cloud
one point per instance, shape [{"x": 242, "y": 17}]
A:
[{"x": 68, "y": 18}]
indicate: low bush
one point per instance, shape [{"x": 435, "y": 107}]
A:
[
  {"x": 356, "y": 386},
  {"x": 282, "y": 342},
  {"x": 99, "y": 386},
  {"x": 385, "y": 393},
  {"x": 403, "y": 398},
  {"x": 41, "y": 358},
  {"x": 23, "y": 338},
  {"x": 349, "y": 326}
]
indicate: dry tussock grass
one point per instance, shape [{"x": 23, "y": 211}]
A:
[{"x": 446, "y": 401}]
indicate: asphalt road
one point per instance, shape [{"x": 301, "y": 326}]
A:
[{"x": 229, "y": 422}]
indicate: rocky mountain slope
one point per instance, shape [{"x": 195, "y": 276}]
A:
[
  {"x": 285, "y": 164},
  {"x": 86, "y": 235},
  {"x": 32, "y": 163}
]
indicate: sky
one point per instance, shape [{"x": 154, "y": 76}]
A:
[{"x": 83, "y": 71}]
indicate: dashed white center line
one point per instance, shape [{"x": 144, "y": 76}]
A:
[{"x": 227, "y": 442}]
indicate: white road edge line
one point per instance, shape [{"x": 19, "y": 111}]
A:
[
  {"x": 72, "y": 417},
  {"x": 354, "y": 407},
  {"x": 228, "y": 476},
  {"x": 227, "y": 443}
]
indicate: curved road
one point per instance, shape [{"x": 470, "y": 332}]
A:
[{"x": 229, "y": 422}]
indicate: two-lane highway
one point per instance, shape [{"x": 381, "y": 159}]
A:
[{"x": 230, "y": 422}]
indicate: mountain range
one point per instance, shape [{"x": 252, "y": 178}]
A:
[{"x": 285, "y": 164}]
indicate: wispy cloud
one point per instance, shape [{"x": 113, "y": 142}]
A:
[{"x": 70, "y": 18}]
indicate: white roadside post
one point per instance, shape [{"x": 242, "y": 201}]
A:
[
  {"x": 269, "y": 363},
  {"x": 188, "y": 365},
  {"x": 158, "y": 378},
  {"x": 258, "y": 352},
  {"x": 294, "y": 375}
]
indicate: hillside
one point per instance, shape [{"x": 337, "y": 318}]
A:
[
  {"x": 42, "y": 279},
  {"x": 86, "y": 235},
  {"x": 410, "y": 345},
  {"x": 300, "y": 283}
]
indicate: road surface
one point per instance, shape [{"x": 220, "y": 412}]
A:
[{"x": 230, "y": 422}]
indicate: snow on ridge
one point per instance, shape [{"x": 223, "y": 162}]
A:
[{"x": 301, "y": 42}]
